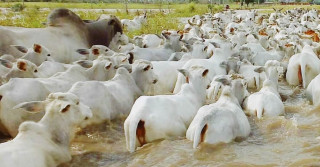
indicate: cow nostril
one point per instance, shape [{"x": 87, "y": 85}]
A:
[
  {"x": 208, "y": 86},
  {"x": 144, "y": 46},
  {"x": 86, "y": 118}
]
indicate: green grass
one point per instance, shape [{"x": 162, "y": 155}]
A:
[
  {"x": 99, "y": 5},
  {"x": 32, "y": 17}
]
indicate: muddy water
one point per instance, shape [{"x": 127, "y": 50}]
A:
[{"x": 289, "y": 140}]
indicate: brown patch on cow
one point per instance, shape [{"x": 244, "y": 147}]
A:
[
  {"x": 37, "y": 48},
  {"x": 260, "y": 20},
  {"x": 203, "y": 133},
  {"x": 180, "y": 32},
  {"x": 231, "y": 30},
  {"x": 187, "y": 79},
  {"x": 315, "y": 38},
  {"x": 66, "y": 109},
  {"x": 310, "y": 32},
  {"x": 288, "y": 45},
  {"x": 22, "y": 65},
  {"x": 300, "y": 75},
  {"x": 95, "y": 52},
  {"x": 167, "y": 33},
  {"x": 263, "y": 32},
  {"x": 141, "y": 133}
]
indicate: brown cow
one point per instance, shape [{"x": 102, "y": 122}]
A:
[{"x": 65, "y": 32}]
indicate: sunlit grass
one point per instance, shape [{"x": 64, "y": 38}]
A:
[{"x": 33, "y": 16}]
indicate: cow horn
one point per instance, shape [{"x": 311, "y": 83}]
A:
[
  {"x": 200, "y": 24},
  {"x": 190, "y": 23}
]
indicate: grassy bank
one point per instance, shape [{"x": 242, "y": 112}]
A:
[{"x": 33, "y": 17}]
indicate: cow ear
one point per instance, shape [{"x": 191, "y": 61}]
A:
[
  {"x": 147, "y": 68},
  {"x": 83, "y": 51},
  {"x": 22, "y": 65},
  {"x": 21, "y": 48},
  {"x": 224, "y": 81},
  {"x": 205, "y": 72},
  {"x": 184, "y": 72},
  {"x": 95, "y": 52},
  {"x": 259, "y": 69},
  {"x": 108, "y": 66},
  {"x": 85, "y": 63},
  {"x": 65, "y": 108},
  {"x": 6, "y": 63},
  {"x": 37, "y": 48},
  {"x": 32, "y": 107},
  {"x": 205, "y": 48}
]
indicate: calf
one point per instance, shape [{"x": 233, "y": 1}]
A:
[{"x": 47, "y": 142}]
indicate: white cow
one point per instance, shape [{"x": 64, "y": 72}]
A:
[
  {"x": 303, "y": 67},
  {"x": 21, "y": 69},
  {"x": 167, "y": 74},
  {"x": 111, "y": 99},
  {"x": 266, "y": 102},
  {"x": 166, "y": 116},
  {"x": 134, "y": 24},
  {"x": 19, "y": 90},
  {"x": 45, "y": 143},
  {"x": 313, "y": 91},
  {"x": 222, "y": 121},
  {"x": 37, "y": 55}
]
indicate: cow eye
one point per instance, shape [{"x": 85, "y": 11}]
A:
[
  {"x": 36, "y": 70},
  {"x": 77, "y": 103},
  {"x": 48, "y": 55}
]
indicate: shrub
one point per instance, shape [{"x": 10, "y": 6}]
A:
[{"x": 18, "y": 7}]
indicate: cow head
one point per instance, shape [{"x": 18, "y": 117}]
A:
[{"x": 37, "y": 54}]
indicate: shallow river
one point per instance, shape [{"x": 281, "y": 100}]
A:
[{"x": 290, "y": 140}]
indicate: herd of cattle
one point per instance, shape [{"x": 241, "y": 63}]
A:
[{"x": 191, "y": 83}]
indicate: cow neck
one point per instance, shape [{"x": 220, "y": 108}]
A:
[
  {"x": 97, "y": 33},
  {"x": 58, "y": 146}
]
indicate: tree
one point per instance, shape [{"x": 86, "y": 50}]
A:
[{"x": 247, "y": 2}]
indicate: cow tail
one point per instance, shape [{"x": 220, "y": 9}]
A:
[
  {"x": 136, "y": 131},
  {"x": 199, "y": 134}
]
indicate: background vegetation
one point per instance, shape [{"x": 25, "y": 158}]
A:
[{"x": 161, "y": 16}]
